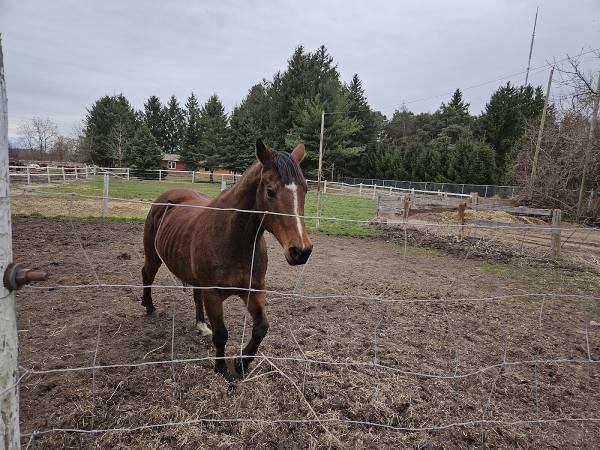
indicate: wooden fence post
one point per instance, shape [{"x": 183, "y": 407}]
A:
[
  {"x": 193, "y": 176},
  {"x": 223, "y": 183},
  {"x": 159, "y": 175},
  {"x": 407, "y": 201},
  {"x": 28, "y": 175},
  {"x": 555, "y": 236},
  {"x": 48, "y": 172},
  {"x": 10, "y": 435},
  {"x": 474, "y": 198},
  {"x": 461, "y": 220},
  {"x": 76, "y": 175},
  {"x": 360, "y": 190},
  {"x": 64, "y": 174},
  {"x": 104, "y": 211}
]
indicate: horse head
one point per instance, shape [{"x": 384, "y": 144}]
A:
[{"x": 282, "y": 190}]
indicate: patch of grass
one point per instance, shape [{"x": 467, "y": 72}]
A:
[
  {"x": 423, "y": 251},
  {"x": 517, "y": 270},
  {"x": 332, "y": 205},
  {"x": 345, "y": 207},
  {"x": 146, "y": 190},
  {"x": 114, "y": 219}
]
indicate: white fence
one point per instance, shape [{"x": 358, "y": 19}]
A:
[{"x": 49, "y": 174}]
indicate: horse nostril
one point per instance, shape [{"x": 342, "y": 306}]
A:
[
  {"x": 299, "y": 255},
  {"x": 294, "y": 253}
]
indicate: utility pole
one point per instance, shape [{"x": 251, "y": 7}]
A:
[
  {"x": 9, "y": 404},
  {"x": 540, "y": 134},
  {"x": 318, "y": 221},
  {"x": 588, "y": 151},
  {"x": 531, "y": 46}
]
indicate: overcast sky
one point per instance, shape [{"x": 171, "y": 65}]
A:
[{"x": 60, "y": 56}]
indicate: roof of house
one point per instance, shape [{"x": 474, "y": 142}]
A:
[{"x": 170, "y": 157}]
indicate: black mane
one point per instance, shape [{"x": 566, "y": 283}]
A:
[{"x": 289, "y": 170}]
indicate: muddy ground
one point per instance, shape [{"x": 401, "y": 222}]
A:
[{"x": 359, "y": 406}]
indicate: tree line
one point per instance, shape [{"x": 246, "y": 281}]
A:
[{"x": 448, "y": 145}]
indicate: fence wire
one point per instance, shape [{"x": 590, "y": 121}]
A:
[{"x": 373, "y": 365}]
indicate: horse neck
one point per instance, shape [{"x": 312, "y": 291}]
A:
[{"x": 242, "y": 196}]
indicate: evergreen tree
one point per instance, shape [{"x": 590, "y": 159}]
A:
[
  {"x": 456, "y": 112},
  {"x": 141, "y": 151},
  {"x": 248, "y": 121},
  {"x": 505, "y": 118},
  {"x": 190, "y": 153},
  {"x": 340, "y": 129},
  {"x": 401, "y": 126},
  {"x": 154, "y": 118},
  {"x": 107, "y": 126},
  {"x": 306, "y": 75},
  {"x": 214, "y": 134},
  {"x": 174, "y": 126}
]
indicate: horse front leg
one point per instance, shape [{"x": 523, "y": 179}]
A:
[
  {"x": 260, "y": 327},
  {"x": 213, "y": 304}
]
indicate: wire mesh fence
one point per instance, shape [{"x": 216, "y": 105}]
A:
[{"x": 377, "y": 343}]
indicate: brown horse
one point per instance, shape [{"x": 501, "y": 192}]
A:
[{"x": 221, "y": 247}]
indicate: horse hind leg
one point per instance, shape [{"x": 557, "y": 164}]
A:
[
  {"x": 149, "y": 270},
  {"x": 200, "y": 322}
]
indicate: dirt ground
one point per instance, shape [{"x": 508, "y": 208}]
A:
[{"x": 473, "y": 343}]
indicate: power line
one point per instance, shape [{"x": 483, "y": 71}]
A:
[{"x": 474, "y": 86}]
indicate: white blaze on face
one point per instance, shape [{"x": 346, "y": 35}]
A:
[{"x": 294, "y": 188}]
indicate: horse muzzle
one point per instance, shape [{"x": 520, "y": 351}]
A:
[{"x": 297, "y": 255}]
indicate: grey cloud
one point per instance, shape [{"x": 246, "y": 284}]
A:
[{"x": 62, "y": 55}]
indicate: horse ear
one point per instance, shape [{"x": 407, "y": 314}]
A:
[
  {"x": 298, "y": 153},
  {"x": 264, "y": 155}
]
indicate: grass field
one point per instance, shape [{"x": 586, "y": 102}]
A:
[{"x": 333, "y": 205}]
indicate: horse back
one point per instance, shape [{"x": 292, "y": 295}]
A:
[{"x": 162, "y": 210}]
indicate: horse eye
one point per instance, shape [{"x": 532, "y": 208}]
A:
[{"x": 270, "y": 193}]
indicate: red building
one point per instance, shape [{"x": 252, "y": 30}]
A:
[{"x": 171, "y": 161}]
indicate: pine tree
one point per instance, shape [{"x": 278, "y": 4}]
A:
[
  {"x": 190, "y": 153},
  {"x": 108, "y": 125},
  {"x": 141, "y": 150},
  {"x": 505, "y": 119},
  {"x": 340, "y": 128},
  {"x": 214, "y": 134},
  {"x": 456, "y": 112},
  {"x": 154, "y": 118},
  {"x": 248, "y": 121},
  {"x": 174, "y": 126}
]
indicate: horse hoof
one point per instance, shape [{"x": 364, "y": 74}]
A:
[
  {"x": 203, "y": 329},
  {"x": 150, "y": 309},
  {"x": 233, "y": 369}
]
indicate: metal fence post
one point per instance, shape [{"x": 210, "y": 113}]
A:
[
  {"x": 104, "y": 211},
  {"x": 9, "y": 401}
]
